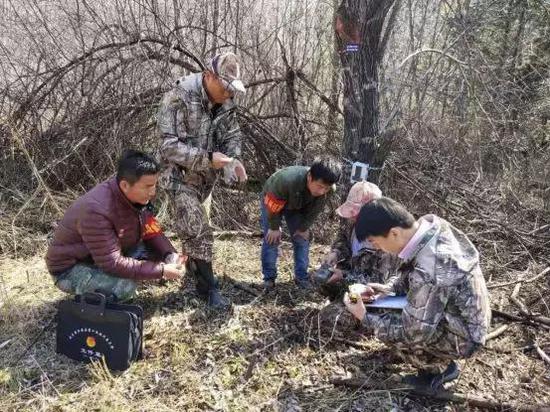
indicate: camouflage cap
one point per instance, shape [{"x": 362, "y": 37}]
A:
[{"x": 227, "y": 66}]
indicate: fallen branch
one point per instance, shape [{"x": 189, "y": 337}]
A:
[
  {"x": 541, "y": 274},
  {"x": 542, "y": 353},
  {"x": 353, "y": 344},
  {"x": 445, "y": 396},
  {"x": 514, "y": 297},
  {"x": 497, "y": 332},
  {"x": 529, "y": 319},
  {"x": 225, "y": 234},
  {"x": 240, "y": 286},
  {"x": 506, "y": 315},
  {"x": 523, "y": 308}
]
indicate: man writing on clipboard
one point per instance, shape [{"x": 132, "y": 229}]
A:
[{"x": 446, "y": 314}]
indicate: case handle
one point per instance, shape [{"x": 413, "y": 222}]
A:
[{"x": 95, "y": 300}]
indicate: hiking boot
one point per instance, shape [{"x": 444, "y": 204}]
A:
[
  {"x": 269, "y": 285},
  {"x": 428, "y": 382},
  {"x": 449, "y": 374},
  {"x": 303, "y": 284}
]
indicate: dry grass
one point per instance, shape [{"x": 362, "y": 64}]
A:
[{"x": 274, "y": 352}]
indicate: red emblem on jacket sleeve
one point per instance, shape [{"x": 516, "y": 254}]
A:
[
  {"x": 273, "y": 204},
  {"x": 151, "y": 228}
]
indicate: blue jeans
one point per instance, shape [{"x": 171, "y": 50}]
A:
[{"x": 270, "y": 253}]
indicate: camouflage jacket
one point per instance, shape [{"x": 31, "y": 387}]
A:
[
  {"x": 368, "y": 264},
  {"x": 191, "y": 127},
  {"x": 287, "y": 189},
  {"x": 447, "y": 309}
]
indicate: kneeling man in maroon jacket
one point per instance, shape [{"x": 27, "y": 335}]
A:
[{"x": 108, "y": 238}]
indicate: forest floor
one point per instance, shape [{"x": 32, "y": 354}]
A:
[{"x": 282, "y": 351}]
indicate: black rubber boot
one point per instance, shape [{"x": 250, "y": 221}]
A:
[
  {"x": 203, "y": 284},
  {"x": 207, "y": 286}
]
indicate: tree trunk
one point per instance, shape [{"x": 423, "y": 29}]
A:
[
  {"x": 359, "y": 28},
  {"x": 215, "y": 24},
  {"x": 332, "y": 119}
]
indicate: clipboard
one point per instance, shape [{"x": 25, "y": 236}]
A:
[{"x": 389, "y": 302}]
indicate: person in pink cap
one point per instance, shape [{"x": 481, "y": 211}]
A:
[{"x": 349, "y": 260}]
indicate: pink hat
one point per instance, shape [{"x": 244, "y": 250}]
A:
[{"x": 359, "y": 194}]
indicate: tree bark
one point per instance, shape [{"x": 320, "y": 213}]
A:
[{"x": 359, "y": 27}]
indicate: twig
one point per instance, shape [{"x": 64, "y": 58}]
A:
[
  {"x": 529, "y": 319},
  {"x": 523, "y": 308},
  {"x": 16, "y": 136},
  {"x": 257, "y": 351},
  {"x": 542, "y": 354},
  {"x": 356, "y": 345},
  {"x": 4, "y": 344},
  {"x": 240, "y": 286},
  {"x": 497, "y": 332},
  {"x": 460, "y": 62},
  {"x": 45, "y": 376},
  {"x": 541, "y": 274},
  {"x": 332, "y": 105},
  {"x": 539, "y": 229},
  {"x": 514, "y": 297},
  {"x": 71, "y": 152},
  {"x": 333, "y": 327},
  {"x": 233, "y": 233}
]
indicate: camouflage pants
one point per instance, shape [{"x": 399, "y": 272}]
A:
[
  {"x": 436, "y": 356},
  {"x": 371, "y": 266},
  {"x": 82, "y": 278},
  {"x": 192, "y": 222},
  {"x": 422, "y": 359}
]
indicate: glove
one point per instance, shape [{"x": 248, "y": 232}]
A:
[{"x": 234, "y": 172}]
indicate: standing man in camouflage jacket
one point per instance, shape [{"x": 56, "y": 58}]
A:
[
  {"x": 447, "y": 313},
  {"x": 200, "y": 138},
  {"x": 349, "y": 260}
]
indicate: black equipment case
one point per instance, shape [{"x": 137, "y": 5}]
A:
[{"x": 89, "y": 328}]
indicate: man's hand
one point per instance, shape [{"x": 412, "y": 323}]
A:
[
  {"x": 365, "y": 291},
  {"x": 380, "y": 288},
  {"x": 273, "y": 236},
  {"x": 303, "y": 234},
  {"x": 357, "y": 309},
  {"x": 219, "y": 160},
  {"x": 337, "y": 275},
  {"x": 176, "y": 258},
  {"x": 234, "y": 171},
  {"x": 331, "y": 259},
  {"x": 240, "y": 171},
  {"x": 182, "y": 259},
  {"x": 172, "y": 271}
]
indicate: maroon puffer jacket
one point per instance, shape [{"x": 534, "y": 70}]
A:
[{"x": 100, "y": 227}]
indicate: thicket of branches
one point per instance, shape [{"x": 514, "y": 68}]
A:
[{"x": 464, "y": 101}]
